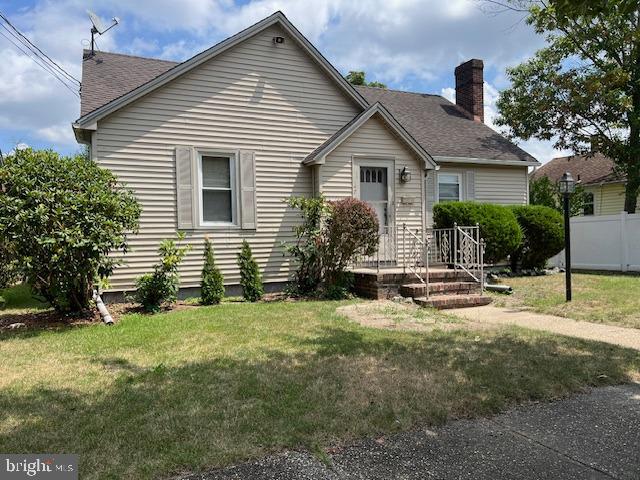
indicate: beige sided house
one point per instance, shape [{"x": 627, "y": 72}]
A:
[
  {"x": 603, "y": 187},
  {"x": 213, "y": 145}
]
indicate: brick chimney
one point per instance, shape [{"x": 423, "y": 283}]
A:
[{"x": 469, "y": 83}]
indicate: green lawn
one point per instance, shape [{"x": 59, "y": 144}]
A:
[
  {"x": 597, "y": 297},
  {"x": 204, "y": 387}
]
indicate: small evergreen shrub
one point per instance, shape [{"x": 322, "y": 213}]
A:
[
  {"x": 498, "y": 225},
  {"x": 153, "y": 290},
  {"x": 212, "y": 285},
  {"x": 3, "y": 302},
  {"x": 250, "y": 279},
  {"x": 543, "y": 229}
]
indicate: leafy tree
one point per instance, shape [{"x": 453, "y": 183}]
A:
[
  {"x": 545, "y": 193},
  {"x": 584, "y": 86},
  {"x": 250, "y": 278},
  {"x": 61, "y": 217},
  {"x": 358, "y": 78},
  {"x": 153, "y": 290},
  {"x": 212, "y": 285}
]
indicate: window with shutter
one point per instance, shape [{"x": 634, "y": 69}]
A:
[{"x": 217, "y": 185}]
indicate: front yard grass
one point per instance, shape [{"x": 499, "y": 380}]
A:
[
  {"x": 155, "y": 396},
  {"x": 597, "y": 297}
]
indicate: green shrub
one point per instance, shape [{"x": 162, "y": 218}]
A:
[
  {"x": 543, "y": 229},
  {"x": 9, "y": 273},
  {"x": 250, "y": 279},
  {"x": 62, "y": 216},
  {"x": 331, "y": 236},
  {"x": 3, "y": 302},
  {"x": 212, "y": 285},
  {"x": 351, "y": 230},
  {"x": 153, "y": 290},
  {"x": 498, "y": 225},
  {"x": 308, "y": 249}
]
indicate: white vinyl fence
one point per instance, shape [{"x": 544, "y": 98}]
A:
[{"x": 604, "y": 242}]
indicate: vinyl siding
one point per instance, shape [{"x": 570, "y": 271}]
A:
[
  {"x": 501, "y": 185},
  {"x": 608, "y": 199},
  {"x": 374, "y": 140},
  {"x": 271, "y": 99}
]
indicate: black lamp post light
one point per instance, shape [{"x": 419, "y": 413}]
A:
[{"x": 567, "y": 186}]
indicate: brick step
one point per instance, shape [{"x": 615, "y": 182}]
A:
[
  {"x": 414, "y": 290},
  {"x": 442, "y": 302}
]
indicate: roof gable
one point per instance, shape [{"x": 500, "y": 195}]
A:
[
  {"x": 173, "y": 71},
  {"x": 319, "y": 155}
]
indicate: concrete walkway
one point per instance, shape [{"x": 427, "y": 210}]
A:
[
  {"x": 624, "y": 337},
  {"x": 590, "y": 436}
]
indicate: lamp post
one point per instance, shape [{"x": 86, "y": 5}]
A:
[{"x": 567, "y": 185}]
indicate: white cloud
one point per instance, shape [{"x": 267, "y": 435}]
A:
[{"x": 404, "y": 42}]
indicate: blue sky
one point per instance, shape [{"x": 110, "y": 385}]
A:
[{"x": 407, "y": 44}]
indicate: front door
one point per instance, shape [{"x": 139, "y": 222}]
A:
[{"x": 375, "y": 186}]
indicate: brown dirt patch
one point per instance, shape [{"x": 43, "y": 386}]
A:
[{"x": 405, "y": 316}]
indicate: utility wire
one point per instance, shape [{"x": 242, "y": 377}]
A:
[
  {"x": 40, "y": 63},
  {"x": 30, "y": 45}
]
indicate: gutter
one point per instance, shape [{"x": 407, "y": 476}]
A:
[{"x": 487, "y": 161}]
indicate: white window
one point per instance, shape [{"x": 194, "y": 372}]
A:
[
  {"x": 587, "y": 208},
  {"x": 449, "y": 187},
  {"x": 217, "y": 180}
]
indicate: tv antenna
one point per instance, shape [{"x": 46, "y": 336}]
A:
[{"x": 98, "y": 27}]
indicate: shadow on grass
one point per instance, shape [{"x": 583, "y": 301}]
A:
[{"x": 347, "y": 383}]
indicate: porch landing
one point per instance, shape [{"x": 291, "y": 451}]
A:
[{"x": 448, "y": 288}]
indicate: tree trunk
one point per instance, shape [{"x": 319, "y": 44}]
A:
[{"x": 631, "y": 194}]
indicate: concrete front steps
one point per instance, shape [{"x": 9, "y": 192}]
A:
[
  {"x": 442, "y": 302},
  {"x": 447, "y": 289}
]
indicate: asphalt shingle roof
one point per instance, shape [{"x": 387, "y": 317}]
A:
[
  {"x": 441, "y": 127},
  {"x": 587, "y": 170},
  {"x": 107, "y": 76}
]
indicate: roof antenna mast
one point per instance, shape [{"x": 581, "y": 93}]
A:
[{"x": 98, "y": 27}]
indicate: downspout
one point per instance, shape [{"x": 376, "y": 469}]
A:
[{"x": 104, "y": 313}]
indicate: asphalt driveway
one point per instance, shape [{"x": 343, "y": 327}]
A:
[{"x": 590, "y": 436}]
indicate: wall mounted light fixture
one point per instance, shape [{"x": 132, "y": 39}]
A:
[{"x": 405, "y": 175}]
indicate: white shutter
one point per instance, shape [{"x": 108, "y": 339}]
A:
[
  {"x": 430, "y": 194},
  {"x": 248, "y": 189},
  {"x": 471, "y": 185},
  {"x": 186, "y": 194}
]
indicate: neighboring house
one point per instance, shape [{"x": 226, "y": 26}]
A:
[
  {"x": 603, "y": 187},
  {"x": 213, "y": 145}
]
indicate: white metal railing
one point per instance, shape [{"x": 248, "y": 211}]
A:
[
  {"x": 414, "y": 254},
  {"x": 459, "y": 247},
  {"x": 387, "y": 253}
]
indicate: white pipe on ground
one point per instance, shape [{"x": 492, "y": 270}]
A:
[{"x": 104, "y": 313}]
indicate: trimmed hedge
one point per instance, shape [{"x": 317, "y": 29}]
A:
[
  {"x": 498, "y": 225},
  {"x": 543, "y": 230}
]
